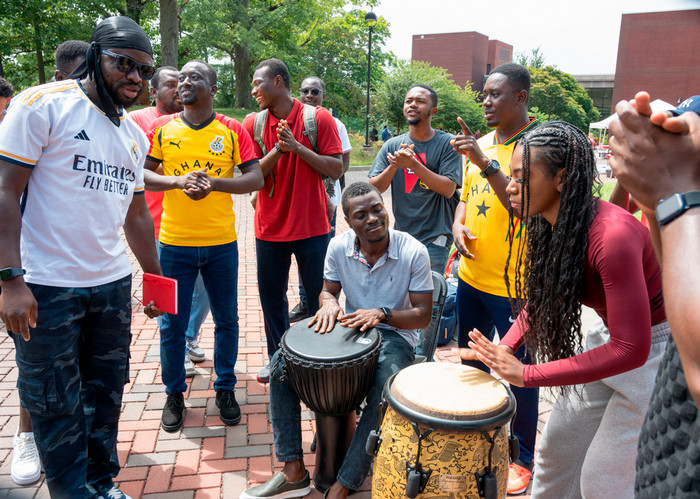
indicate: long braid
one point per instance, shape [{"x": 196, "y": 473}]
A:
[{"x": 553, "y": 259}]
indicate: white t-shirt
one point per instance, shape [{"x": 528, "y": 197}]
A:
[
  {"x": 85, "y": 171},
  {"x": 347, "y": 147}
]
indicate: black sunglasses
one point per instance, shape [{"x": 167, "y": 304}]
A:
[
  {"x": 126, "y": 64},
  {"x": 313, "y": 91}
]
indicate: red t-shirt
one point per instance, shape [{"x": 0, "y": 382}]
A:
[
  {"x": 145, "y": 118},
  {"x": 622, "y": 283},
  {"x": 297, "y": 208}
]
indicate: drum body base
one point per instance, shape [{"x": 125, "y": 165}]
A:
[
  {"x": 455, "y": 459},
  {"x": 333, "y": 437}
]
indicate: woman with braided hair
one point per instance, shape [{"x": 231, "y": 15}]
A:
[{"x": 578, "y": 249}]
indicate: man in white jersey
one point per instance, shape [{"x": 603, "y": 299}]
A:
[{"x": 64, "y": 271}]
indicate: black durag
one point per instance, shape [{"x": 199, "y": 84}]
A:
[{"x": 117, "y": 32}]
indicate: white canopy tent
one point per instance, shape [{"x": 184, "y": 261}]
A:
[{"x": 602, "y": 126}]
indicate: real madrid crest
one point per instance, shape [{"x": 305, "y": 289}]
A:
[
  {"x": 216, "y": 146},
  {"x": 135, "y": 152}
]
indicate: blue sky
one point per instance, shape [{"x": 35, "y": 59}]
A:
[{"x": 579, "y": 37}]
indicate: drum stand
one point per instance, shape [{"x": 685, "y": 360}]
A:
[{"x": 333, "y": 437}]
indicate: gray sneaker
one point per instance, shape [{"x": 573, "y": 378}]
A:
[
  {"x": 189, "y": 368},
  {"x": 194, "y": 351},
  {"x": 278, "y": 488},
  {"x": 264, "y": 374}
]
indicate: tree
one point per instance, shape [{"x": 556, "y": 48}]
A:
[
  {"x": 453, "y": 101},
  {"x": 534, "y": 60},
  {"x": 558, "y": 96}
]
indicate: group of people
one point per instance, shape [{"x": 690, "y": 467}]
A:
[{"x": 519, "y": 205}]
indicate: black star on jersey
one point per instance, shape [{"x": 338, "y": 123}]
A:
[{"x": 482, "y": 209}]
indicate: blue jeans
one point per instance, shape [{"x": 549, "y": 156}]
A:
[
  {"x": 200, "y": 306},
  {"x": 438, "y": 257},
  {"x": 218, "y": 266},
  {"x": 72, "y": 374},
  {"x": 331, "y": 235},
  {"x": 274, "y": 261},
  {"x": 285, "y": 411},
  {"x": 488, "y": 313}
]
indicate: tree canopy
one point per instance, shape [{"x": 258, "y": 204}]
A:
[
  {"x": 453, "y": 101},
  {"x": 556, "y": 95}
]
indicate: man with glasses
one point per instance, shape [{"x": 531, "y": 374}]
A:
[
  {"x": 64, "y": 271},
  {"x": 312, "y": 92}
]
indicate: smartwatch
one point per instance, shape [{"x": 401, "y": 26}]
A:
[
  {"x": 490, "y": 169},
  {"x": 387, "y": 313},
  {"x": 674, "y": 206},
  {"x": 10, "y": 273}
]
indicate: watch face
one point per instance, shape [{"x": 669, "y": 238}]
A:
[{"x": 669, "y": 208}]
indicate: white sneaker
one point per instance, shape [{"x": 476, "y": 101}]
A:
[
  {"x": 194, "y": 351},
  {"x": 189, "y": 368},
  {"x": 26, "y": 466}
]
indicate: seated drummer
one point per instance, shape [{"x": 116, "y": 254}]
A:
[{"x": 386, "y": 277}]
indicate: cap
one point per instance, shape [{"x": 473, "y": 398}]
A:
[{"x": 690, "y": 104}]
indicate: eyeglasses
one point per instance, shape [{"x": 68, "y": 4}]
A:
[
  {"x": 126, "y": 64},
  {"x": 312, "y": 91}
]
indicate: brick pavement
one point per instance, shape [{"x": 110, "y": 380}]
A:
[{"x": 206, "y": 459}]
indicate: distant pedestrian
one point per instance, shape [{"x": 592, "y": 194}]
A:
[{"x": 374, "y": 134}]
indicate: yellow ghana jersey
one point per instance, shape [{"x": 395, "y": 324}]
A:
[
  {"x": 487, "y": 219},
  {"x": 219, "y": 144}
]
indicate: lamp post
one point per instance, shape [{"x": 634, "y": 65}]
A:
[{"x": 371, "y": 18}]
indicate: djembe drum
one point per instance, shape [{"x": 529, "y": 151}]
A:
[
  {"x": 331, "y": 373},
  {"x": 443, "y": 434}
]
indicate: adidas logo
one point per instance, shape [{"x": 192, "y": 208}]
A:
[{"x": 82, "y": 136}]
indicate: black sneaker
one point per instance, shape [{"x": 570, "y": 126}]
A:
[
  {"x": 229, "y": 411},
  {"x": 173, "y": 412},
  {"x": 301, "y": 311}
]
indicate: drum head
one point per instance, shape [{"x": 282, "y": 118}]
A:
[
  {"x": 341, "y": 344},
  {"x": 450, "y": 396}
]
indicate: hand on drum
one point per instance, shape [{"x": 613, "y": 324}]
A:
[
  {"x": 326, "y": 316},
  {"x": 499, "y": 358},
  {"x": 363, "y": 319}
]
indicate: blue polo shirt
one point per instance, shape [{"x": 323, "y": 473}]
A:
[{"x": 404, "y": 269}]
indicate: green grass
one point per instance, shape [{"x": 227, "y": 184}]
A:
[{"x": 606, "y": 190}]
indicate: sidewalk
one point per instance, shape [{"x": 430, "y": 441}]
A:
[{"x": 206, "y": 459}]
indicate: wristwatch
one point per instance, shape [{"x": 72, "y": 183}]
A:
[
  {"x": 387, "y": 313},
  {"x": 10, "y": 273},
  {"x": 673, "y": 207},
  {"x": 490, "y": 169}
]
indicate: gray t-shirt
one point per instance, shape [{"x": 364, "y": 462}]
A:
[
  {"x": 423, "y": 213},
  {"x": 404, "y": 269}
]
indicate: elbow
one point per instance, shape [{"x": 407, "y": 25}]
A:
[
  {"x": 449, "y": 191},
  {"x": 337, "y": 170},
  {"x": 259, "y": 182}
]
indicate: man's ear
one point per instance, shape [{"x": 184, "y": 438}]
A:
[
  {"x": 522, "y": 97},
  {"x": 213, "y": 89},
  {"x": 433, "y": 111},
  {"x": 152, "y": 93}
]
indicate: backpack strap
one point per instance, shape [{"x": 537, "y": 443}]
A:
[
  {"x": 259, "y": 129},
  {"x": 310, "y": 126}
]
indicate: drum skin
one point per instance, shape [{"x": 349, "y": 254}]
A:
[
  {"x": 331, "y": 372},
  {"x": 457, "y": 449}
]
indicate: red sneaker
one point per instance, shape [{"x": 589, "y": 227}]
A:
[{"x": 518, "y": 479}]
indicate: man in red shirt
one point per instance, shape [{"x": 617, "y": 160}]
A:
[{"x": 288, "y": 208}]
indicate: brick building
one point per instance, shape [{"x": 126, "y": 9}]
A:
[
  {"x": 659, "y": 52},
  {"x": 467, "y": 56}
]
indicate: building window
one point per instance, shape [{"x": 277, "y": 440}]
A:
[{"x": 488, "y": 69}]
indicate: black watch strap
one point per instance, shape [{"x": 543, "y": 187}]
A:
[
  {"x": 10, "y": 273},
  {"x": 674, "y": 206},
  {"x": 490, "y": 169},
  {"x": 387, "y": 313},
  {"x": 279, "y": 149}
]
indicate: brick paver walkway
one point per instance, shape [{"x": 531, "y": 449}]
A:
[{"x": 206, "y": 459}]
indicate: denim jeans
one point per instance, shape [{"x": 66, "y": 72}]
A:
[
  {"x": 438, "y": 257},
  {"x": 200, "y": 306},
  {"x": 274, "y": 261},
  {"x": 331, "y": 235},
  {"x": 285, "y": 411},
  {"x": 218, "y": 266},
  {"x": 72, "y": 374},
  {"x": 488, "y": 313}
]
